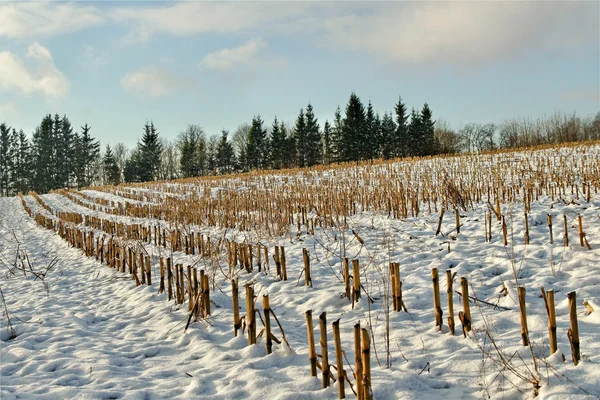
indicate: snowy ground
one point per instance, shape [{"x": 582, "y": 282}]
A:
[{"x": 86, "y": 331}]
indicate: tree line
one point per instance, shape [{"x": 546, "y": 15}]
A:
[{"x": 58, "y": 157}]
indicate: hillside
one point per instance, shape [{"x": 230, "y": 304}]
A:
[{"x": 81, "y": 318}]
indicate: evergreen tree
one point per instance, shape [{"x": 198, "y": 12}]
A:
[
  {"x": 131, "y": 171},
  {"x": 6, "y": 160},
  {"x": 300, "y": 139},
  {"x": 327, "y": 143},
  {"x": 43, "y": 156},
  {"x": 13, "y": 154},
  {"x": 212, "y": 146},
  {"x": 377, "y": 137},
  {"x": 148, "y": 155},
  {"x": 370, "y": 138},
  {"x": 225, "y": 155},
  {"x": 65, "y": 150},
  {"x": 400, "y": 142},
  {"x": 415, "y": 135},
  {"x": 337, "y": 143},
  {"x": 258, "y": 145},
  {"x": 56, "y": 153},
  {"x": 87, "y": 152},
  {"x": 313, "y": 138},
  {"x": 192, "y": 149},
  {"x": 23, "y": 164},
  {"x": 278, "y": 145},
  {"x": 112, "y": 174},
  {"x": 290, "y": 146},
  {"x": 388, "y": 132},
  {"x": 427, "y": 131},
  {"x": 353, "y": 129}
]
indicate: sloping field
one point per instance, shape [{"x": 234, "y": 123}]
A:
[{"x": 130, "y": 292}]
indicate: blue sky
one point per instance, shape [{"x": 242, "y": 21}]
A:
[{"x": 116, "y": 65}]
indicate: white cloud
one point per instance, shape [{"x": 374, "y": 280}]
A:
[
  {"x": 44, "y": 77},
  {"x": 253, "y": 53},
  {"x": 465, "y": 32},
  {"x": 45, "y": 19},
  {"x": 190, "y": 18},
  {"x": 456, "y": 32},
  {"x": 150, "y": 81}
]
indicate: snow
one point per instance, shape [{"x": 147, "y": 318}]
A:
[{"x": 87, "y": 331}]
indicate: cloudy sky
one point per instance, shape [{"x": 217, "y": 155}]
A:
[{"x": 116, "y": 65}]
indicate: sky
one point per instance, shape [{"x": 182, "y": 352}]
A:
[{"x": 117, "y": 65}]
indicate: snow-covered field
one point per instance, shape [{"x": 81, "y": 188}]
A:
[{"x": 74, "y": 328}]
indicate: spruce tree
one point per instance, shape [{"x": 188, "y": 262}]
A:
[
  {"x": 388, "y": 133},
  {"x": 337, "y": 143},
  {"x": 313, "y": 138},
  {"x": 278, "y": 145},
  {"x": 427, "y": 131},
  {"x": 415, "y": 135},
  {"x": 65, "y": 150},
  {"x": 400, "y": 143},
  {"x": 225, "y": 155},
  {"x": 353, "y": 129},
  {"x": 192, "y": 151},
  {"x": 370, "y": 138},
  {"x": 327, "y": 143},
  {"x": 6, "y": 160},
  {"x": 290, "y": 146},
  {"x": 300, "y": 139},
  {"x": 376, "y": 149},
  {"x": 258, "y": 145},
  {"x": 112, "y": 174},
  {"x": 23, "y": 164},
  {"x": 149, "y": 154},
  {"x": 131, "y": 171},
  {"x": 13, "y": 153},
  {"x": 43, "y": 149},
  {"x": 87, "y": 152}
]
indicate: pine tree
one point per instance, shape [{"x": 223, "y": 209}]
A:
[
  {"x": 278, "y": 145},
  {"x": 87, "y": 152},
  {"x": 225, "y": 155},
  {"x": 112, "y": 174},
  {"x": 6, "y": 160},
  {"x": 400, "y": 143},
  {"x": 300, "y": 139},
  {"x": 370, "y": 138},
  {"x": 23, "y": 164},
  {"x": 415, "y": 135},
  {"x": 192, "y": 150},
  {"x": 65, "y": 161},
  {"x": 327, "y": 143},
  {"x": 149, "y": 152},
  {"x": 388, "y": 132},
  {"x": 43, "y": 149},
  {"x": 258, "y": 144},
  {"x": 55, "y": 153},
  {"x": 131, "y": 171},
  {"x": 353, "y": 129},
  {"x": 212, "y": 145},
  {"x": 376, "y": 149},
  {"x": 312, "y": 149},
  {"x": 13, "y": 154},
  {"x": 337, "y": 143},
  {"x": 427, "y": 131},
  {"x": 290, "y": 146}
]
